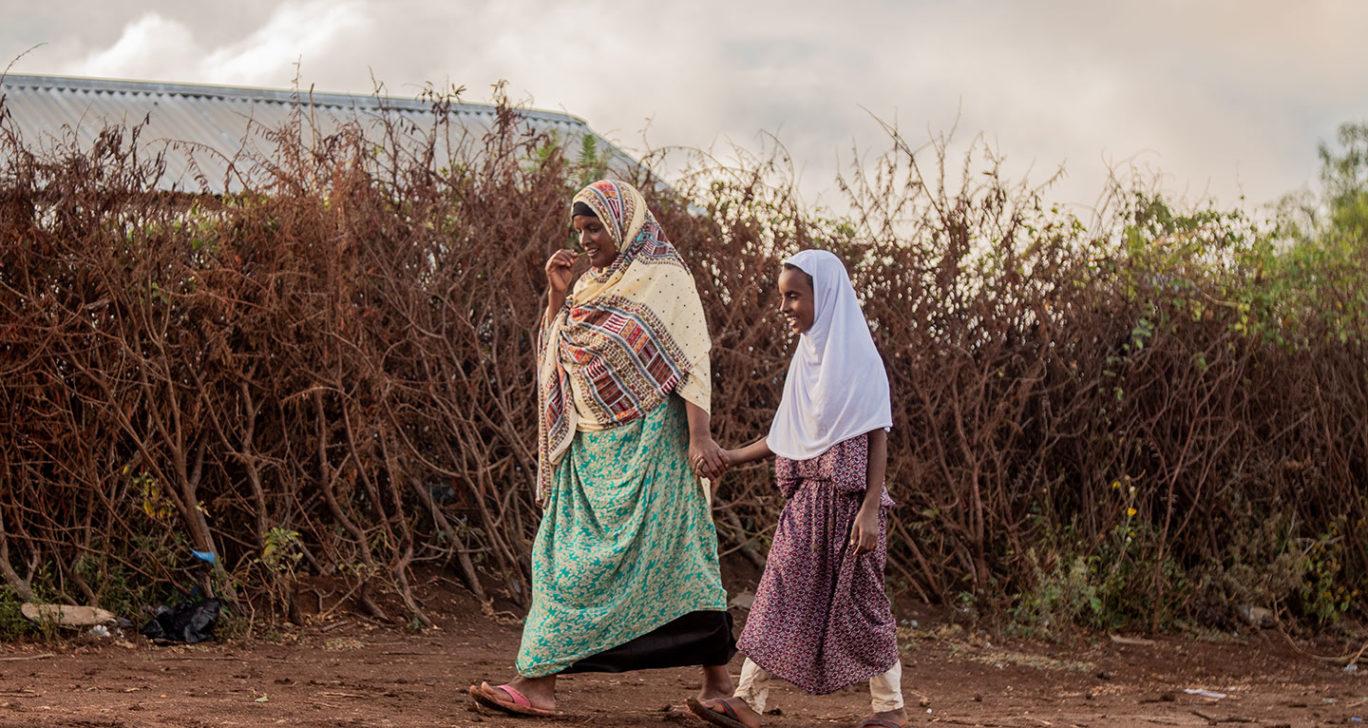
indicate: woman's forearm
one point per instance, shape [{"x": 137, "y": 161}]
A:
[
  {"x": 554, "y": 301},
  {"x": 700, "y": 422},
  {"x": 705, "y": 456},
  {"x": 878, "y": 467}
]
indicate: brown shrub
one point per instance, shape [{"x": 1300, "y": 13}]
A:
[{"x": 335, "y": 365}]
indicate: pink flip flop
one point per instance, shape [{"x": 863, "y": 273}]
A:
[{"x": 512, "y": 702}]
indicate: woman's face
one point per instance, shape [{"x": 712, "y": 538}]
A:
[
  {"x": 595, "y": 240},
  {"x": 795, "y": 300}
]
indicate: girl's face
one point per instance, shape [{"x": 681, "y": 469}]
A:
[
  {"x": 595, "y": 240},
  {"x": 795, "y": 299}
]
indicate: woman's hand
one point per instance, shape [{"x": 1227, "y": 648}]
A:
[
  {"x": 706, "y": 457},
  {"x": 560, "y": 271},
  {"x": 864, "y": 534}
]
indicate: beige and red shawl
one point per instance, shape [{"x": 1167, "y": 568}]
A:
[{"x": 628, "y": 335}]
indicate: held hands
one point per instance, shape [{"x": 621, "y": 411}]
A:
[
  {"x": 707, "y": 458},
  {"x": 864, "y": 534}
]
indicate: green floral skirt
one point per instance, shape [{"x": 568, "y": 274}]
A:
[{"x": 626, "y": 544}]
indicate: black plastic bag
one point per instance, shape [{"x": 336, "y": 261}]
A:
[{"x": 190, "y": 622}]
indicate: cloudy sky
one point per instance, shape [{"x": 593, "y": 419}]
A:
[{"x": 1223, "y": 97}]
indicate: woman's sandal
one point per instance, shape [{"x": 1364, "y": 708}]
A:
[
  {"x": 512, "y": 702},
  {"x": 722, "y": 714}
]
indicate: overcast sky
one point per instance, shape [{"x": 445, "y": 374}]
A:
[{"x": 1223, "y": 97}]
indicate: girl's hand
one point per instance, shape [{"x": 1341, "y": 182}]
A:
[
  {"x": 864, "y": 534},
  {"x": 706, "y": 457},
  {"x": 559, "y": 270}
]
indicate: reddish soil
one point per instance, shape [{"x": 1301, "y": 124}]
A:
[{"x": 347, "y": 672}]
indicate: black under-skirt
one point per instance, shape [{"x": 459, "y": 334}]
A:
[{"x": 702, "y": 637}]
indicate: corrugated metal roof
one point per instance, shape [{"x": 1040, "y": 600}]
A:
[{"x": 204, "y": 127}]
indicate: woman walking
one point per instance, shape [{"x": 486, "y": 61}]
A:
[{"x": 624, "y": 566}]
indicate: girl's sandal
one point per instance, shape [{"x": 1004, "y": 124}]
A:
[
  {"x": 507, "y": 699},
  {"x": 721, "y": 714}
]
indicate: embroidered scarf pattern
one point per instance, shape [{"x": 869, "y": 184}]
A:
[{"x": 628, "y": 335}]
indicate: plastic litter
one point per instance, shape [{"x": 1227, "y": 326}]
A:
[
  {"x": 1256, "y": 617},
  {"x": 190, "y": 622},
  {"x": 1205, "y": 693}
]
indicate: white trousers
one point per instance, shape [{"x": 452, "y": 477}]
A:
[{"x": 885, "y": 691}]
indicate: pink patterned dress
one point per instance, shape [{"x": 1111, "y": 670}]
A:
[{"x": 821, "y": 619}]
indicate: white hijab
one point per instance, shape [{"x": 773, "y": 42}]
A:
[{"x": 836, "y": 386}]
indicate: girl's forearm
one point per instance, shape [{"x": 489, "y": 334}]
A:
[
  {"x": 878, "y": 468},
  {"x": 758, "y": 450}
]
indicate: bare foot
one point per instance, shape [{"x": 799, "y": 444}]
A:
[
  {"x": 886, "y": 719},
  {"x": 539, "y": 691},
  {"x": 717, "y": 683},
  {"x": 726, "y": 711}
]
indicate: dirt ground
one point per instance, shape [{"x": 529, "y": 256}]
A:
[{"x": 348, "y": 672}]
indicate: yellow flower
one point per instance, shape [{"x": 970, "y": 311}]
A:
[
  {"x": 1116, "y": 485},
  {"x": 1130, "y": 512}
]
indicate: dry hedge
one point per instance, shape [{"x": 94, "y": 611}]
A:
[{"x": 1149, "y": 417}]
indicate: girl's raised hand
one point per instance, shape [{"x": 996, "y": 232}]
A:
[{"x": 864, "y": 534}]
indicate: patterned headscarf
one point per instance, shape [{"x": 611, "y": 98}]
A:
[{"x": 628, "y": 335}]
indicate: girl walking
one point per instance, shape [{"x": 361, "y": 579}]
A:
[{"x": 821, "y": 619}]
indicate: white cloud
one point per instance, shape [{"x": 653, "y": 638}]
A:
[
  {"x": 155, "y": 47},
  {"x": 149, "y": 47},
  {"x": 302, "y": 31},
  {"x": 1226, "y": 96}
]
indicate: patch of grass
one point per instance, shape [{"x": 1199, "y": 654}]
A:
[{"x": 13, "y": 624}]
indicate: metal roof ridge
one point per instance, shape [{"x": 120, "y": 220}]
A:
[{"x": 282, "y": 96}]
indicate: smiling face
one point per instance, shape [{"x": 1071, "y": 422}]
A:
[
  {"x": 595, "y": 240},
  {"x": 796, "y": 299}
]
